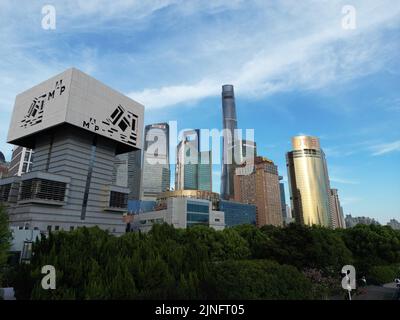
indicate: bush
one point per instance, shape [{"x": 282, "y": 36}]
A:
[
  {"x": 380, "y": 275},
  {"x": 256, "y": 279}
]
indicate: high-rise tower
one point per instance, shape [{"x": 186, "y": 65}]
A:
[
  {"x": 229, "y": 141},
  {"x": 309, "y": 182},
  {"x": 156, "y": 165},
  {"x": 260, "y": 187},
  {"x": 193, "y": 167}
]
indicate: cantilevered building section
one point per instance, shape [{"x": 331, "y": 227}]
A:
[
  {"x": 230, "y": 142},
  {"x": 76, "y": 126},
  {"x": 156, "y": 165},
  {"x": 308, "y": 182}
]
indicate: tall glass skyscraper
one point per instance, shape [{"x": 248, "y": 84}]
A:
[
  {"x": 156, "y": 165},
  {"x": 128, "y": 172},
  {"x": 187, "y": 158},
  {"x": 230, "y": 142},
  {"x": 308, "y": 182},
  {"x": 193, "y": 168},
  {"x": 205, "y": 171}
]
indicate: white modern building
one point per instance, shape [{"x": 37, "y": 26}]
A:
[
  {"x": 21, "y": 161},
  {"x": 76, "y": 126},
  {"x": 181, "y": 212}
]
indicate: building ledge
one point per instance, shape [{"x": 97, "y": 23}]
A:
[{"x": 42, "y": 201}]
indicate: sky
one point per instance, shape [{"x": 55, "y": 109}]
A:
[{"x": 295, "y": 68}]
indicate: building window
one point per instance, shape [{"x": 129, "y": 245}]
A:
[
  {"x": 48, "y": 228},
  {"x": 5, "y": 192},
  {"x": 192, "y": 207},
  {"x": 43, "y": 189},
  {"x": 56, "y": 228},
  {"x": 71, "y": 228},
  {"x": 118, "y": 200}
]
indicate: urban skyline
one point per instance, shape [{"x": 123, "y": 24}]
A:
[{"x": 350, "y": 104}]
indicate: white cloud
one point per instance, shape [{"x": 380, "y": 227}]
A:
[
  {"x": 171, "y": 95},
  {"x": 321, "y": 55},
  {"x": 385, "y": 148},
  {"x": 342, "y": 180}
]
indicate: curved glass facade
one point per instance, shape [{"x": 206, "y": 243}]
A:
[{"x": 309, "y": 182}]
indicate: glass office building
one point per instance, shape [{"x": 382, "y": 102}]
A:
[
  {"x": 156, "y": 169},
  {"x": 237, "y": 213},
  {"x": 197, "y": 213}
]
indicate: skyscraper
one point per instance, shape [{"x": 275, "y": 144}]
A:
[
  {"x": 187, "y": 159},
  {"x": 336, "y": 210},
  {"x": 205, "y": 171},
  {"x": 128, "y": 172},
  {"x": 193, "y": 167},
  {"x": 260, "y": 187},
  {"x": 249, "y": 149},
  {"x": 230, "y": 142},
  {"x": 283, "y": 198},
  {"x": 156, "y": 170},
  {"x": 308, "y": 182},
  {"x": 3, "y": 166},
  {"x": 21, "y": 161}
]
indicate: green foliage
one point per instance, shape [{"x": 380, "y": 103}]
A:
[
  {"x": 372, "y": 245},
  {"x": 244, "y": 262},
  {"x": 383, "y": 274},
  {"x": 307, "y": 247},
  {"x": 257, "y": 279},
  {"x": 5, "y": 237}
]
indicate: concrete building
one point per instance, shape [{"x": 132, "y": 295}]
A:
[
  {"x": 261, "y": 188},
  {"x": 394, "y": 224},
  {"x": 75, "y": 125},
  {"x": 181, "y": 212},
  {"x": 308, "y": 182},
  {"x": 22, "y": 239},
  {"x": 231, "y": 142},
  {"x": 353, "y": 221},
  {"x": 128, "y": 173},
  {"x": 283, "y": 199},
  {"x": 4, "y": 166},
  {"x": 21, "y": 161},
  {"x": 336, "y": 210},
  {"x": 156, "y": 165},
  {"x": 237, "y": 213}
]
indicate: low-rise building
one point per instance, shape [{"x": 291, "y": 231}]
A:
[{"x": 181, "y": 212}]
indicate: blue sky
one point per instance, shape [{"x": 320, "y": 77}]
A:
[{"x": 294, "y": 68}]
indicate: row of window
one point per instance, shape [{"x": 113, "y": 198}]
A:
[
  {"x": 5, "y": 192},
  {"x": 118, "y": 200},
  {"x": 51, "y": 228},
  {"x": 192, "y": 207},
  {"x": 42, "y": 189}
]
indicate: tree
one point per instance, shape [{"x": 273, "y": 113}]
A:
[
  {"x": 256, "y": 279},
  {"x": 5, "y": 238}
]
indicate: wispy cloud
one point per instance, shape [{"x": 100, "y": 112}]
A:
[
  {"x": 339, "y": 180},
  {"x": 384, "y": 148}
]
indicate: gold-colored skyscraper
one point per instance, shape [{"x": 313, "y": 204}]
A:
[{"x": 308, "y": 182}]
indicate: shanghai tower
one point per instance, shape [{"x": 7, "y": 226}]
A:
[{"x": 229, "y": 141}]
